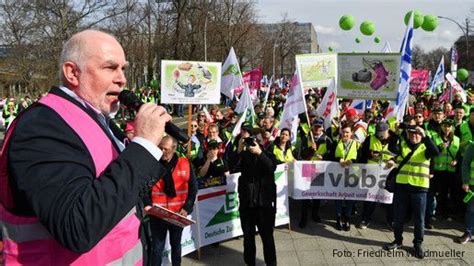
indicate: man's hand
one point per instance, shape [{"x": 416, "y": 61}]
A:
[
  {"x": 465, "y": 187},
  {"x": 183, "y": 212},
  {"x": 389, "y": 164},
  {"x": 150, "y": 122},
  {"x": 420, "y": 131},
  {"x": 211, "y": 157},
  {"x": 255, "y": 148},
  {"x": 240, "y": 148}
]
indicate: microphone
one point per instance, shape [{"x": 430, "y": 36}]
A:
[{"x": 131, "y": 101}]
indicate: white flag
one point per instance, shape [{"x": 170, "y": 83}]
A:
[
  {"x": 329, "y": 106},
  {"x": 295, "y": 103},
  {"x": 231, "y": 75},
  {"x": 245, "y": 101},
  {"x": 208, "y": 115},
  {"x": 456, "y": 87},
  {"x": 387, "y": 48},
  {"x": 267, "y": 92},
  {"x": 238, "y": 126},
  {"x": 438, "y": 78},
  {"x": 397, "y": 109}
]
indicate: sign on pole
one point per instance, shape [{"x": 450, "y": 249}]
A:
[{"x": 190, "y": 82}]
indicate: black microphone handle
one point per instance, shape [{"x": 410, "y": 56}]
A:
[{"x": 176, "y": 132}]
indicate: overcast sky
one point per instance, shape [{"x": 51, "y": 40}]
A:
[{"x": 386, "y": 14}]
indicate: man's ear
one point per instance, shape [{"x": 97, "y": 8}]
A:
[{"x": 71, "y": 73}]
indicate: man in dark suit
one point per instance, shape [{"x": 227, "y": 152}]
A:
[{"x": 77, "y": 199}]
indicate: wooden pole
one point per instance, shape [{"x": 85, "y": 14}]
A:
[{"x": 190, "y": 119}]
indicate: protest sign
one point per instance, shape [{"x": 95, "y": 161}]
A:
[
  {"x": 189, "y": 82},
  {"x": 316, "y": 70},
  {"x": 368, "y": 75}
]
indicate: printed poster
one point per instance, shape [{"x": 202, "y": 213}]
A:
[
  {"x": 190, "y": 82},
  {"x": 316, "y": 70},
  {"x": 370, "y": 76}
]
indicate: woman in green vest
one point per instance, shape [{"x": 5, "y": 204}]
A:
[
  {"x": 282, "y": 148},
  {"x": 445, "y": 179},
  {"x": 344, "y": 152}
]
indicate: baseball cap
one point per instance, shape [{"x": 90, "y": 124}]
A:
[
  {"x": 437, "y": 110},
  {"x": 129, "y": 126},
  {"x": 447, "y": 122},
  {"x": 318, "y": 122},
  {"x": 351, "y": 113},
  {"x": 412, "y": 129},
  {"x": 213, "y": 144},
  {"x": 381, "y": 128}
]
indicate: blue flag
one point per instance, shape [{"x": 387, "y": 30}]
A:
[{"x": 438, "y": 78}]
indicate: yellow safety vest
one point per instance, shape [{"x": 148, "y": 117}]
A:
[
  {"x": 341, "y": 151},
  {"x": 321, "y": 149},
  {"x": 416, "y": 172},
  {"x": 286, "y": 157},
  {"x": 443, "y": 161},
  {"x": 376, "y": 145}
]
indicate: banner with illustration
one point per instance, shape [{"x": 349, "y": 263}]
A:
[
  {"x": 190, "y": 82},
  {"x": 216, "y": 212},
  {"x": 328, "y": 180},
  {"x": 316, "y": 70},
  {"x": 368, "y": 75}
]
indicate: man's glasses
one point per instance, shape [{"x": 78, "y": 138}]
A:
[
  {"x": 194, "y": 125},
  {"x": 418, "y": 116}
]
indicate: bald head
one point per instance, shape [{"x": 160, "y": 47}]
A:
[
  {"x": 79, "y": 46},
  {"x": 93, "y": 66}
]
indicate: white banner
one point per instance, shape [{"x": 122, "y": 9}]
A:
[
  {"x": 328, "y": 180},
  {"x": 216, "y": 213}
]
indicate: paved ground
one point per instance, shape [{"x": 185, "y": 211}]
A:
[{"x": 322, "y": 244}]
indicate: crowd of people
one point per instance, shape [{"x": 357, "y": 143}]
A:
[
  {"x": 433, "y": 137},
  {"x": 55, "y": 170}
]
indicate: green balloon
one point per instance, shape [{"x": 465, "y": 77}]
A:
[
  {"x": 367, "y": 28},
  {"x": 357, "y": 40},
  {"x": 418, "y": 19},
  {"x": 430, "y": 23},
  {"x": 377, "y": 39},
  {"x": 462, "y": 74},
  {"x": 346, "y": 22},
  {"x": 154, "y": 83},
  {"x": 330, "y": 49}
]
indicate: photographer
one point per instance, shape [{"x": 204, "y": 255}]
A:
[{"x": 257, "y": 196}]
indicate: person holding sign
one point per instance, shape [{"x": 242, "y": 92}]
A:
[{"x": 175, "y": 191}]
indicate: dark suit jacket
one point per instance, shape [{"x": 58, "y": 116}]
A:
[{"x": 53, "y": 178}]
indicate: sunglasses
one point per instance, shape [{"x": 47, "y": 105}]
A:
[
  {"x": 418, "y": 116},
  {"x": 194, "y": 125}
]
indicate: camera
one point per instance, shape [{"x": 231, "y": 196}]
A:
[
  {"x": 249, "y": 141},
  {"x": 362, "y": 76}
]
